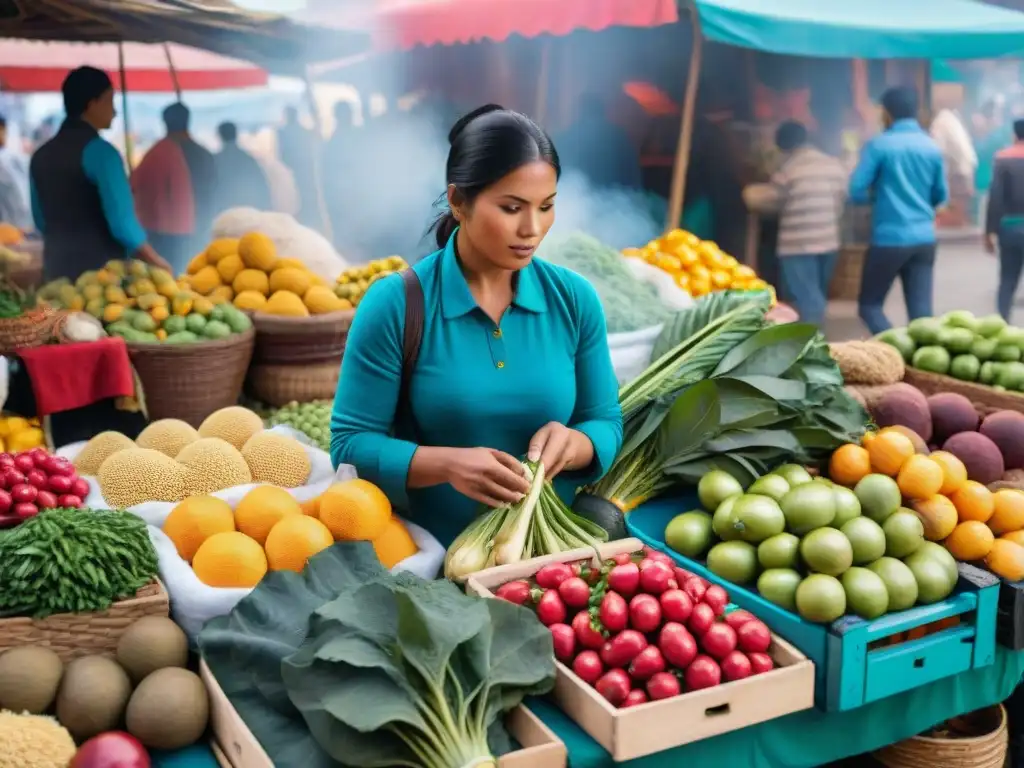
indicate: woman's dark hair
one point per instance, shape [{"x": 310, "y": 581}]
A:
[{"x": 486, "y": 145}]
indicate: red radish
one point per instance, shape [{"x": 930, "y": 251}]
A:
[
  {"x": 80, "y": 487},
  {"x": 677, "y": 645},
  {"x": 23, "y": 493},
  {"x": 648, "y": 662},
  {"x": 614, "y": 686},
  {"x": 553, "y": 574},
  {"x": 23, "y": 463},
  {"x": 614, "y": 613},
  {"x": 114, "y": 749},
  {"x": 703, "y": 672},
  {"x": 644, "y": 613},
  {"x": 575, "y": 592},
  {"x": 663, "y": 685},
  {"x": 13, "y": 477},
  {"x": 655, "y": 577},
  {"x": 550, "y": 608},
  {"x": 736, "y": 666},
  {"x": 624, "y": 579},
  {"x": 672, "y": 584},
  {"x": 587, "y": 665},
  {"x": 623, "y": 648},
  {"x": 517, "y": 592},
  {"x": 59, "y": 483},
  {"x": 754, "y": 637},
  {"x": 695, "y": 589},
  {"x": 565, "y": 641},
  {"x": 719, "y": 641},
  {"x": 661, "y": 557},
  {"x": 623, "y": 558},
  {"x": 635, "y": 697},
  {"x": 58, "y": 465},
  {"x": 38, "y": 453},
  {"x": 585, "y": 572},
  {"x": 701, "y": 619},
  {"x": 676, "y": 605},
  {"x": 69, "y": 501},
  {"x": 38, "y": 479},
  {"x": 25, "y": 510},
  {"x": 6, "y": 459},
  {"x": 717, "y": 598},
  {"x": 6, "y": 502},
  {"x": 586, "y": 635},
  {"x": 681, "y": 575},
  {"x": 761, "y": 662},
  {"x": 46, "y": 500},
  {"x": 737, "y": 619}
]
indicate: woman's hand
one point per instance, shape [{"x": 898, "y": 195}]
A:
[
  {"x": 557, "y": 447},
  {"x": 491, "y": 477}
]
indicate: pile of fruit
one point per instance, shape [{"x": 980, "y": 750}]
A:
[
  {"x": 249, "y": 273},
  {"x": 313, "y": 419},
  {"x": 958, "y": 344},
  {"x": 170, "y": 460},
  {"x": 144, "y": 304},
  {"x": 353, "y": 282},
  {"x": 816, "y": 547},
  {"x": 146, "y": 686},
  {"x": 697, "y": 266},
  {"x": 270, "y": 530},
  {"x": 20, "y": 434},
  {"x": 34, "y": 480},
  {"x": 641, "y": 629}
]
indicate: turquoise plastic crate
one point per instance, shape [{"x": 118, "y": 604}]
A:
[{"x": 849, "y": 674}]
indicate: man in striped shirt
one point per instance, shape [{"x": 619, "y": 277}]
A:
[{"x": 811, "y": 188}]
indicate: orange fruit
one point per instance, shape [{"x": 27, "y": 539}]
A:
[
  {"x": 699, "y": 286},
  {"x": 196, "y": 519},
  {"x": 938, "y": 516},
  {"x": 311, "y": 507},
  {"x": 230, "y": 559},
  {"x": 973, "y": 501},
  {"x": 920, "y": 446},
  {"x": 1006, "y": 559},
  {"x": 953, "y": 470},
  {"x": 888, "y": 451},
  {"x": 295, "y": 539},
  {"x": 355, "y": 510},
  {"x": 260, "y": 510},
  {"x": 848, "y": 464},
  {"x": 1017, "y": 537},
  {"x": 720, "y": 279},
  {"x": 683, "y": 281},
  {"x": 699, "y": 272},
  {"x": 1008, "y": 511},
  {"x": 743, "y": 272},
  {"x": 970, "y": 541},
  {"x": 395, "y": 544},
  {"x": 919, "y": 477}
]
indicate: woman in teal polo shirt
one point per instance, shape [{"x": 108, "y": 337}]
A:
[{"x": 514, "y": 354}]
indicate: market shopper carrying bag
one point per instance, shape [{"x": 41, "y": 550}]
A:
[{"x": 513, "y": 354}]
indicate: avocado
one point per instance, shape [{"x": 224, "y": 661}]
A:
[
  {"x": 216, "y": 329},
  {"x": 603, "y": 512},
  {"x": 195, "y": 323}
]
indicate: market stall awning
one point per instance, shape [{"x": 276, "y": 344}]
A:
[
  {"x": 866, "y": 29},
  {"x": 31, "y": 67}
]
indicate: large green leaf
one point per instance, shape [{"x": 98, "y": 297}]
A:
[
  {"x": 743, "y": 439},
  {"x": 780, "y": 390},
  {"x": 705, "y": 313},
  {"x": 769, "y": 352},
  {"x": 694, "y": 417}
]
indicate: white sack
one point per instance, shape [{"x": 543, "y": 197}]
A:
[{"x": 671, "y": 295}]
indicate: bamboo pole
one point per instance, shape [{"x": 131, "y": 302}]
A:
[
  {"x": 173, "y": 71},
  {"x": 318, "y": 146},
  {"x": 124, "y": 106},
  {"x": 682, "y": 161}
]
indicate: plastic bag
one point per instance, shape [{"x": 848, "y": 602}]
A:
[{"x": 631, "y": 352}]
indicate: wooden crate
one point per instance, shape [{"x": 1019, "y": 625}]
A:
[
  {"x": 235, "y": 746},
  {"x": 659, "y": 725}
]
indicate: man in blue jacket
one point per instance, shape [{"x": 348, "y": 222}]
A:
[{"x": 901, "y": 174}]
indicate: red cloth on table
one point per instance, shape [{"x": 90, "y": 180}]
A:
[{"x": 69, "y": 376}]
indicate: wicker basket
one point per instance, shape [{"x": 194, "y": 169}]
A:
[
  {"x": 961, "y": 751},
  {"x": 71, "y": 635},
  {"x": 279, "y": 385},
  {"x": 845, "y": 285},
  {"x": 986, "y": 399},
  {"x": 292, "y": 340},
  {"x": 32, "y": 329},
  {"x": 191, "y": 381}
]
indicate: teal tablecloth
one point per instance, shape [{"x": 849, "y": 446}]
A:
[{"x": 802, "y": 740}]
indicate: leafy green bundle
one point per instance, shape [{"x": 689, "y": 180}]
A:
[
  {"x": 74, "y": 560},
  {"x": 729, "y": 390},
  {"x": 347, "y": 663}
]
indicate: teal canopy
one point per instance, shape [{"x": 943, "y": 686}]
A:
[{"x": 865, "y": 29}]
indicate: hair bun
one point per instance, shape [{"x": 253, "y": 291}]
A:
[{"x": 462, "y": 122}]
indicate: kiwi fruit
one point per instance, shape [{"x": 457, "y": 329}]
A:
[
  {"x": 151, "y": 643},
  {"x": 29, "y": 677},
  {"x": 92, "y": 696},
  {"x": 169, "y": 710}
]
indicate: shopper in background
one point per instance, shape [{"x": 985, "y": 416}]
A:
[
  {"x": 1004, "y": 219},
  {"x": 901, "y": 174},
  {"x": 599, "y": 149},
  {"x": 13, "y": 200},
  {"x": 295, "y": 145},
  {"x": 240, "y": 179}
]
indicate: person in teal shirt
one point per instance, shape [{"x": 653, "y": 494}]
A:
[{"x": 514, "y": 356}]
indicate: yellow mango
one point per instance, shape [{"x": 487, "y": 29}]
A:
[
  {"x": 221, "y": 294},
  {"x": 202, "y": 305},
  {"x": 77, "y": 304},
  {"x": 138, "y": 268},
  {"x": 229, "y": 267},
  {"x": 150, "y": 300},
  {"x": 161, "y": 334},
  {"x": 115, "y": 295},
  {"x": 181, "y": 304},
  {"x": 31, "y": 437},
  {"x": 112, "y": 313},
  {"x": 205, "y": 280},
  {"x": 91, "y": 292},
  {"x": 159, "y": 313},
  {"x": 115, "y": 266},
  {"x": 106, "y": 277},
  {"x": 170, "y": 290},
  {"x": 197, "y": 264},
  {"x": 160, "y": 276}
]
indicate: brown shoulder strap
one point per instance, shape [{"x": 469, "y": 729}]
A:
[{"x": 413, "y": 334}]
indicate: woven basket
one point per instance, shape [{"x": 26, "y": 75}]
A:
[
  {"x": 28, "y": 276},
  {"x": 191, "y": 381},
  {"x": 845, "y": 285},
  {"x": 316, "y": 339},
  {"x": 279, "y": 385},
  {"x": 986, "y": 751},
  {"x": 32, "y": 329},
  {"x": 71, "y": 635},
  {"x": 986, "y": 399}
]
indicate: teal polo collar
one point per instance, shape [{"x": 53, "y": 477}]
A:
[{"x": 457, "y": 300}]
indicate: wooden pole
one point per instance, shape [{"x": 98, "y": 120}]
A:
[
  {"x": 682, "y": 161},
  {"x": 318, "y": 177},
  {"x": 124, "y": 106},
  {"x": 174, "y": 72}
]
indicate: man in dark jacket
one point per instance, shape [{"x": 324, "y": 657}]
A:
[
  {"x": 1004, "y": 219},
  {"x": 240, "y": 179},
  {"x": 81, "y": 201}
]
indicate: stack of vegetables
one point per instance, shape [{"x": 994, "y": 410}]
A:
[
  {"x": 353, "y": 283},
  {"x": 34, "y": 480},
  {"x": 698, "y": 266},
  {"x": 249, "y": 273},
  {"x": 20, "y": 434}
]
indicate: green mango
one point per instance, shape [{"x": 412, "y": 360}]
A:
[
  {"x": 236, "y": 319},
  {"x": 195, "y": 323},
  {"x": 182, "y": 337},
  {"x": 174, "y": 324},
  {"x": 215, "y": 329},
  {"x": 143, "y": 322}
]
